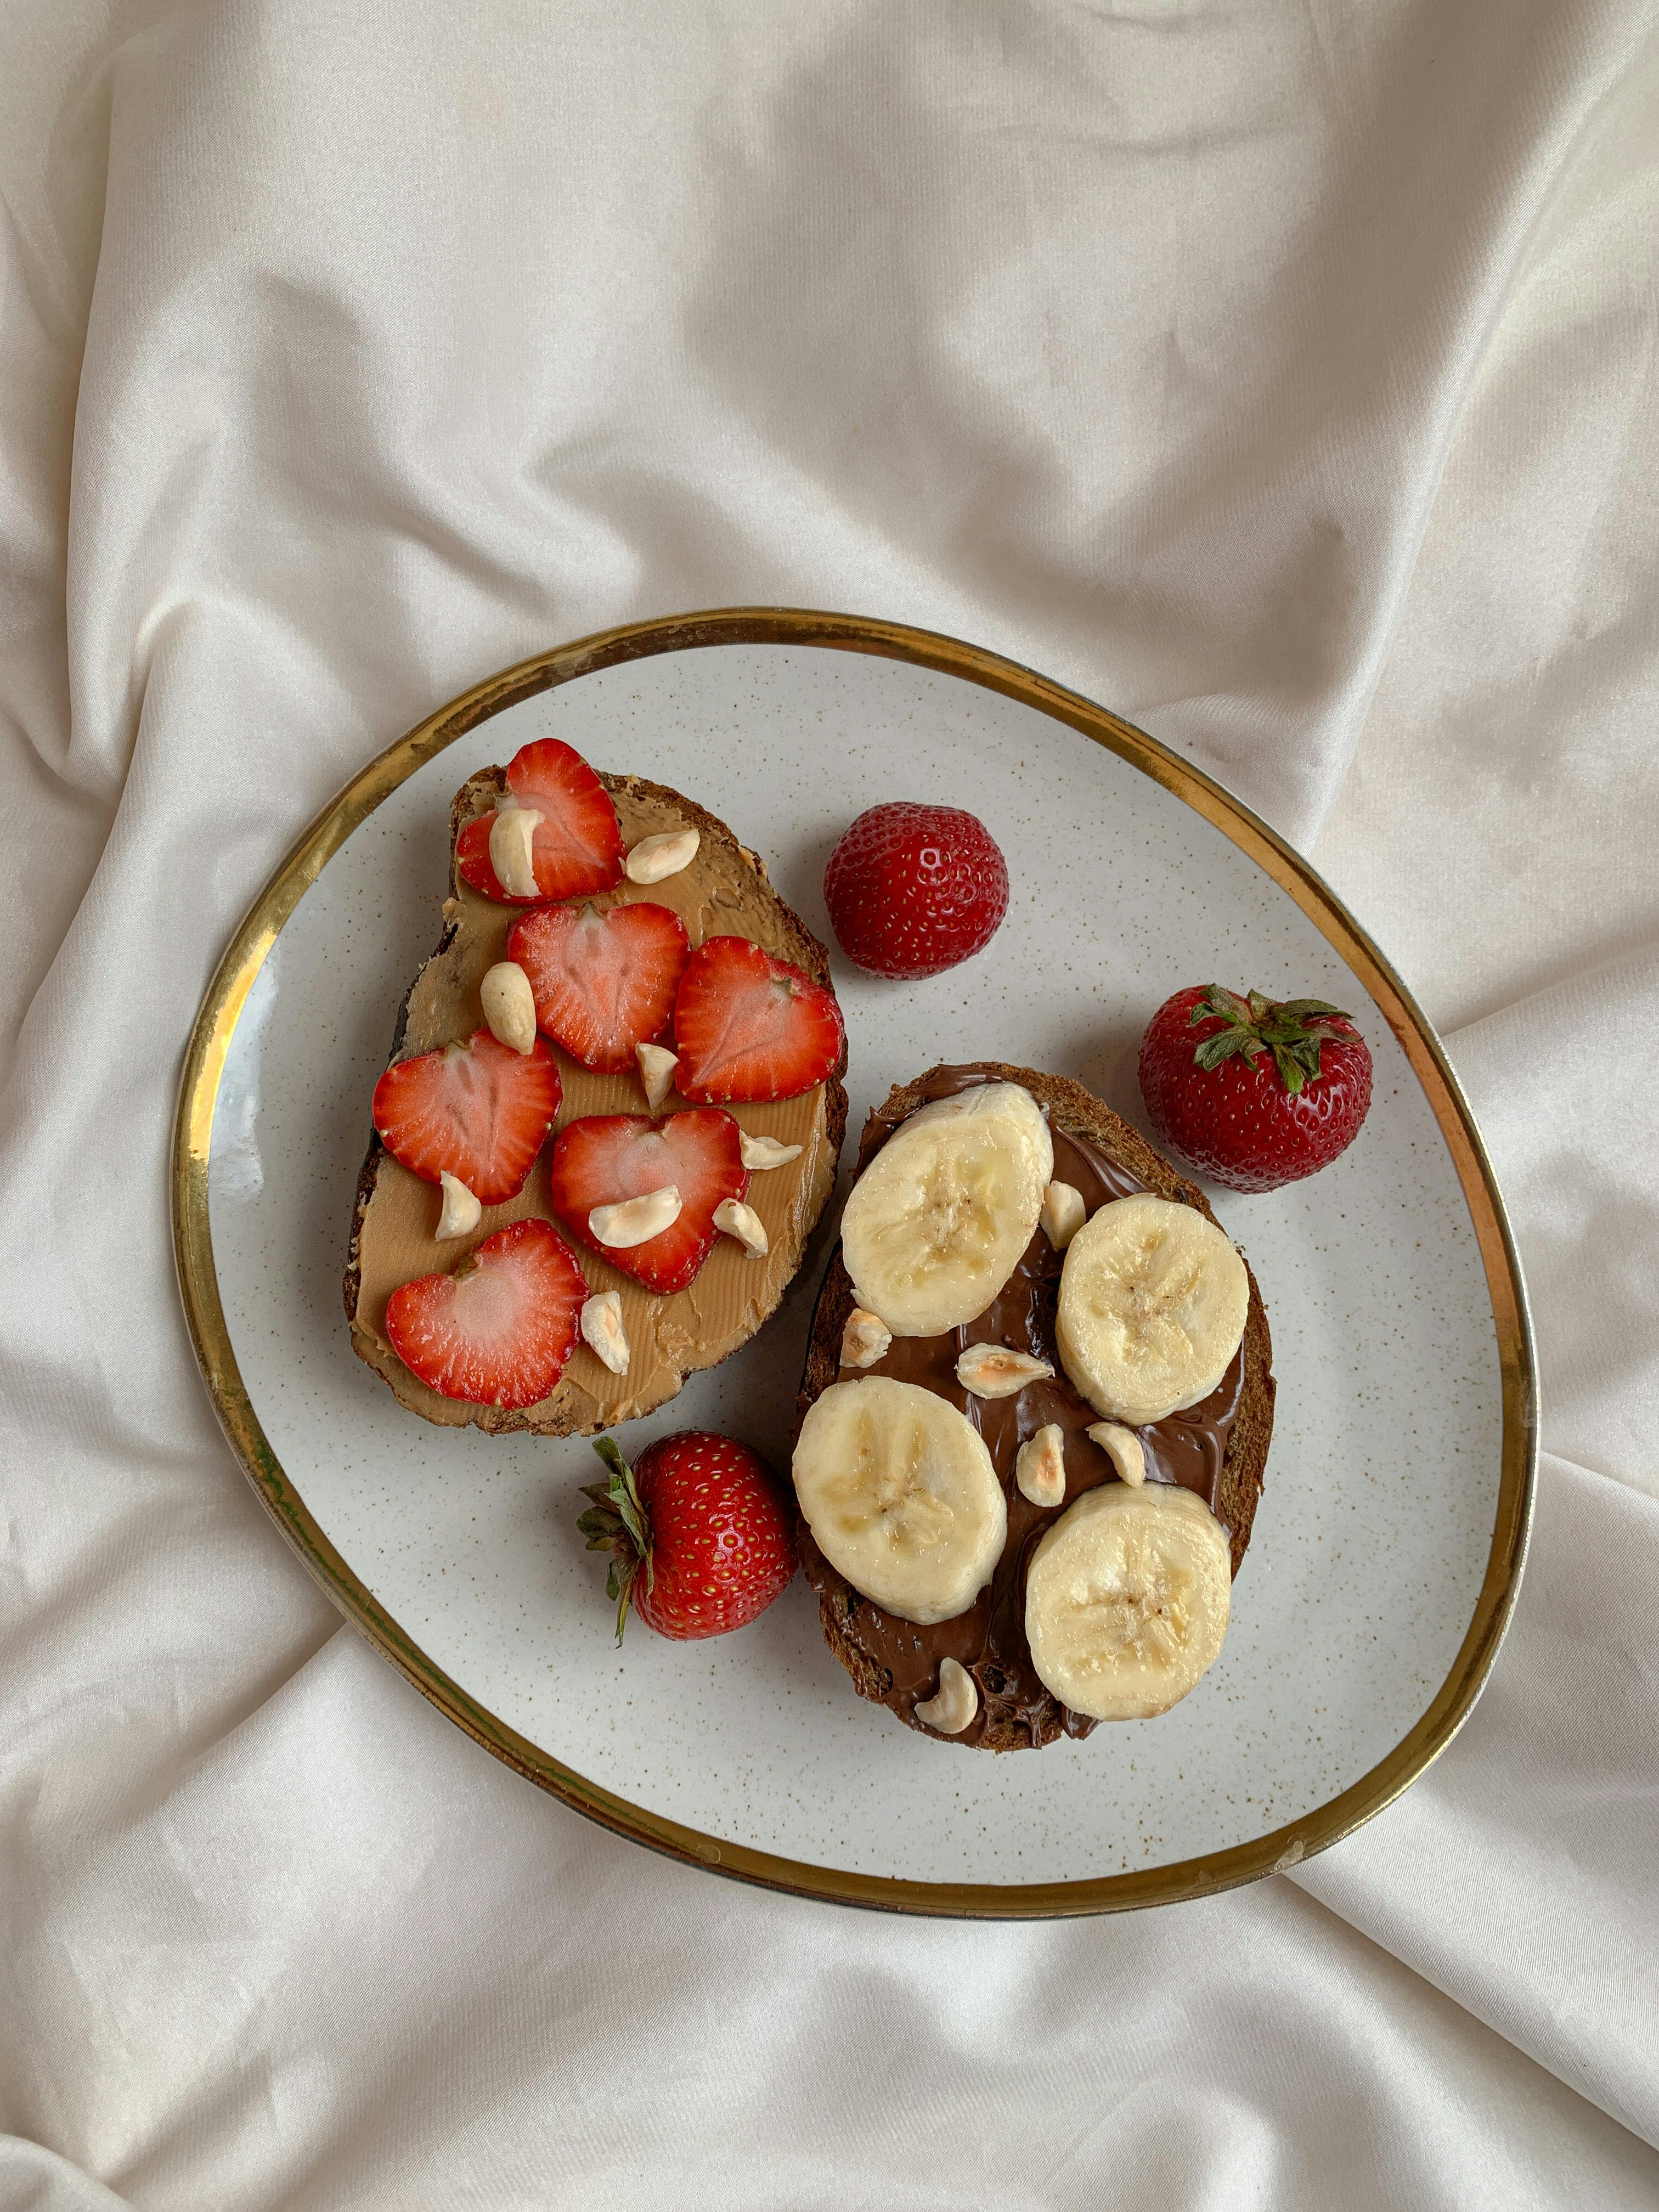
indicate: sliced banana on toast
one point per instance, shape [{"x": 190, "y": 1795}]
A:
[
  {"x": 1126, "y": 1601},
  {"x": 901, "y": 1496},
  {"x": 1152, "y": 1304},
  {"x": 939, "y": 1219}
]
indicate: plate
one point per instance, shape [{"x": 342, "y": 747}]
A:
[{"x": 1391, "y": 1534}]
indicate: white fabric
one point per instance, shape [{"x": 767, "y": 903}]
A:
[{"x": 1283, "y": 375}]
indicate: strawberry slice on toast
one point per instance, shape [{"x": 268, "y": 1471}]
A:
[
  {"x": 602, "y": 982},
  {"x": 577, "y": 849},
  {"x": 499, "y": 1330},
  {"x": 608, "y": 1159},
  {"x": 479, "y": 1111},
  {"x": 750, "y": 1026}
]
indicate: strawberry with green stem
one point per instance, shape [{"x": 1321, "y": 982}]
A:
[
  {"x": 700, "y": 1539},
  {"x": 1254, "y": 1091}
]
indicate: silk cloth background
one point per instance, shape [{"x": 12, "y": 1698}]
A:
[{"x": 1283, "y": 375}]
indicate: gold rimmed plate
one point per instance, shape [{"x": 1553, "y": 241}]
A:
[{"x": 1389, "y": 1542}]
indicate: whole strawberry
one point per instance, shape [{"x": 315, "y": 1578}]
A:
[
  {"x": 1253, "y": 1092},
  {"x": 701, "y": 1542},
  {"x": 913, "y": 889}
]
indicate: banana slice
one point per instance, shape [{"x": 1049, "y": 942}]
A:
[
  {"x": 1152, "y": 1301},
  {"x": 900, "y": 1493},
  {"x": 1126, "y": 1601},
  {"x": 938, "y": 1220}
]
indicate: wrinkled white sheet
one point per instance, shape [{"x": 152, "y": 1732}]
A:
[{"x": 1283, "y": 374}]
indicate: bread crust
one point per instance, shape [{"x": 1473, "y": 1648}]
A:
[
  {"x": 1078, "y": 1113},
  {"x": 559, "y": 1415}
]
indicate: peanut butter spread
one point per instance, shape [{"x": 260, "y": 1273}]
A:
[{"x": 724, "y": 892}]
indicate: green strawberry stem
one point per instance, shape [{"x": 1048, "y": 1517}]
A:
[
  {"x": 1292, "y": 1030},
  {"x": 617, "y": 1522}
]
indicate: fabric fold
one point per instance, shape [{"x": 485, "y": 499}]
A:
[{"x": 1284, "y": 378}]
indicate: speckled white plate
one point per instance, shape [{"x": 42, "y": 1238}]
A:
[{"x": 1388, "y": 1544}]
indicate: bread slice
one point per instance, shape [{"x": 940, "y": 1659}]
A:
[
  {"x": 726, "y": 891},
  {"x": 895, "y": 1664}
]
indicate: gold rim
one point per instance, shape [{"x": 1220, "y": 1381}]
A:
[{"x": 204, "y": 1060}]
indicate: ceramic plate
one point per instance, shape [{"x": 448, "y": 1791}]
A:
[{"x": 1389, "y": 1540}]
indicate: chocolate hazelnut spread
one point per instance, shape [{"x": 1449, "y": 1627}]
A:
[{"x": 1188, "y": 1448}]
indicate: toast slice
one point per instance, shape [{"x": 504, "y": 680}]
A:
[
  {"x": 1218, "y": 1449},
  {"x": 725, "y": 891}
]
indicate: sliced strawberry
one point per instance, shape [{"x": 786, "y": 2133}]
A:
[
  {"x": 578, "y": 846},
  {"x": 602, "y": 982},
  {"x": 607, "y": 1158},
  {"x": 472, "y": 861},
  {"x": 749, "y": 1026},
  {"x": 478, "y": 1110},
  {"x": 499, "y": 1329}
]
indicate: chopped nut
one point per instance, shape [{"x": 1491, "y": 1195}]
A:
[
  {"x": 951, "y": 1709},
  {"x": 1124, "y": 1450},
  {"x": 736, "y": 1220},
  {"x": 1063, "y": 1214},
  {"x": 657, "y": 1065},
  {"x": 864, "y": 1339},
  {"x": 512, "y": 839},
  {"x": 664, "y": 855},
  {"x": 635, "y": 1220},
  {"x": 992, "y": 1371},
  {"x": 766, "y": 1151},
  {"x": 1040, "y": 1469},
  {"x": 603, "y": 1332},
  {"x": 509, "y": 1005},
  {"x": 461, "y": 1212}
]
